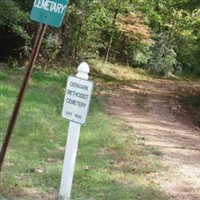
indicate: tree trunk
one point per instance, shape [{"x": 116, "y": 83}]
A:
[{"x": 111, "y": 37}]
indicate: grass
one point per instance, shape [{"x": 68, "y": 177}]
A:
[
  {"x": 117, "y": 73},
  {"x": 111, "y": 165}
]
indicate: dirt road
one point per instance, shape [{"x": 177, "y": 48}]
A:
[{"x": 151, "y": 108}]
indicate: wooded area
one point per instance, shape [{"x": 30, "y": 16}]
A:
[{"x": 160, "y": 35}]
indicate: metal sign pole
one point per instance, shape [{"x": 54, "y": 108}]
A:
[{"x": 22, "y": 91}]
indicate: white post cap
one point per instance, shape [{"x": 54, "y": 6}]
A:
[{"x": 83, "y": 70}]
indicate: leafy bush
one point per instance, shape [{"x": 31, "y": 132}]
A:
[
  {"x": 13, "y": 18},
  {"x": 14, "y": 37},
  {"x": 163, "y": 60},
  {"x": 51, "y": 47}
]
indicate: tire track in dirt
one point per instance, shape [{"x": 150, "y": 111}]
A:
[{"x": 147, "y": 107}]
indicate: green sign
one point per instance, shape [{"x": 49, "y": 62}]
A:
[{"x": 50, "y": 12}]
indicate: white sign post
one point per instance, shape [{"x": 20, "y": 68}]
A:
[{"x": 75, "y": 109}]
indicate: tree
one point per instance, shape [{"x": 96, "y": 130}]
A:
[
  {"x": 178, "y": 21},
  {"x": 12, "y": 27},
  {"x": 133, "y": 32}
]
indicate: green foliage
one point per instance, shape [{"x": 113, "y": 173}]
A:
[
  {"x": 82, "y": 28},
  {"x": 187, "y": 39},
  {"x": 13, "y": 18},
  {"x": 180, "y": 20},
  {"x": 14, "y": 35},
  {"x": 163, "y": 60},
  {"x": 114, "y": 30},
  {"x": 51, "y": 47}
]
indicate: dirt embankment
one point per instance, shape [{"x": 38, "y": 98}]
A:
[{"x": 153, "y": 109}]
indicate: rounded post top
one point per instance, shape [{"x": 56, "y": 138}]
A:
[{"x": 83, "y": 70}]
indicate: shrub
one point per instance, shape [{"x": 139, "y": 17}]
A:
[{"x": 163, "y": 60}]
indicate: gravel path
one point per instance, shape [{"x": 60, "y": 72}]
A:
[{"x": 150, "y": 107}]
